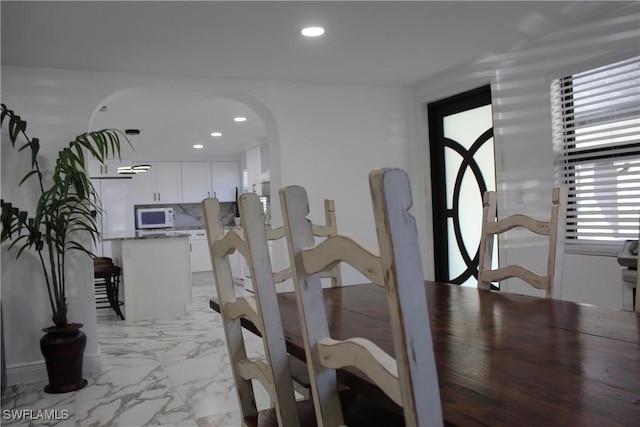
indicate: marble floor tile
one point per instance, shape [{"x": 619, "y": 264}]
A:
[
  {"x": 149, "y": 407},
  {"x": 221, "y": 420},
  {"x": 169, "y": 372},
  {"x": 124, "y": 381},
  {"x": 28, "y": 404}
]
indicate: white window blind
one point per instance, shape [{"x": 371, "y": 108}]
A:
[{"x": 596, "y": 130}]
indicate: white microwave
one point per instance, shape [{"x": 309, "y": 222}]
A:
[{"x": 154, "y": 218}]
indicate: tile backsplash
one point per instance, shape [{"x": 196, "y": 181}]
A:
[{"x": 190, "y": 215}]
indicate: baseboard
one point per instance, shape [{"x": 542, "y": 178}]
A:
[
  {"x": 31, "y": 372},
  {"x": 92, "y": 364}
]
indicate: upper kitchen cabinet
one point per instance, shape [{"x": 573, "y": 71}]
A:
[
  {"x": 108, "y": 169},
  {"x": 201, "y": 180},
  {"x": 117, "y": 216},
  {"x": 257, "y": 167},
  {"x": 160, "y": 184},
  {"x": 225, "y": 178},
  {"x": 196, "y": 181}
]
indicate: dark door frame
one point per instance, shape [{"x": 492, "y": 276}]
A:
[{"x": 437, "y": 143}]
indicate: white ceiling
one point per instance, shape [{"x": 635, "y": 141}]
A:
[
  {"x": 377, "y": 43},
  {"x": 170, "y": 126}
]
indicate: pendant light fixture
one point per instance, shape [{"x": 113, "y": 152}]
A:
[{"x": 135, "y": 169}]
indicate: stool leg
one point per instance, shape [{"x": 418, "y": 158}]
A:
[
  {"x": 113, "y": 296},
  {"x": 117, "y": 293}
]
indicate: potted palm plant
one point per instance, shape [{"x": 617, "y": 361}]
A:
[{"x": 59, "y": 225}]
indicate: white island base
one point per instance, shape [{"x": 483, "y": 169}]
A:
[{"x": 156, "y": 276}]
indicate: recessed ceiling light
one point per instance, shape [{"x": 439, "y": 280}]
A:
[
  {"x": 216, "y": 134},
  {"x": 239, "y": 119},
  {"x": 198, "y": 146},
  {"x": 312, "y": 31}
]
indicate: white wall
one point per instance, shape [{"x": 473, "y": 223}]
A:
[
  {"x": 520, "y": 84},
  {"x": 324, "y": 137}
]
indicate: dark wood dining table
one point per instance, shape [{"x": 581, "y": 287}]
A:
[{"x": 502, "y": 359}]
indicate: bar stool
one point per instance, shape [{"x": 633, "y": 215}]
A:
[{"x": 106, "y": 278}]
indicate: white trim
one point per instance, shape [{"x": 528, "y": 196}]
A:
[
  {"x": 604, "y": 249},
  {"x": 30, "y": 372}
]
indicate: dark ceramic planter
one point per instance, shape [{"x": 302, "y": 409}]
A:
[{"x": 63, "y": 350}]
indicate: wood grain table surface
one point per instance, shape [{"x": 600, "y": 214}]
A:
[{"x": 503, "y": 359}]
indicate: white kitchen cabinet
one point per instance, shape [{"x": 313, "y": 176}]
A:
[
  {"x": 257, "y": 168},
  {"x": 201, "y": 180},
  {"x": 201, "y": 259},
  {"x": 199, "y": 251},
  {"x": 254, "y": 160},
  {"x": 155, "y": 275},
  {"x": 225, "y": 178},
  {"x": 116, "y": 218},
  {"x": 96, "y": 169},
  {"x": 160, "y": 184},
  {"x": 196, "y": 181}
]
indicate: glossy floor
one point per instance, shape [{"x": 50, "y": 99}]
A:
[{"x": 155, "y": 373}]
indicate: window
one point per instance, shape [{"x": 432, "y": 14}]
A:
[
  {"x": 245, "y": 181},
  {"x": 596, "y": 131}
]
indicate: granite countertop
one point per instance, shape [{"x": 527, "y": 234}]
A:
[
  {"x": 168, "y": 234},
  {"x": 162, "y": 234}
]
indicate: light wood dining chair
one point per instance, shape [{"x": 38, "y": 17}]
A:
[
  {"x": 554, "y": 229},
  {"x": 299, "y": 370},
  {"x": 261, "y": 309},
  {"x": 409, "y": 379},
  {"x": 330, "y": 228}
]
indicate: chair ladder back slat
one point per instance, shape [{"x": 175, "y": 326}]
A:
[
  {"x": 336, "y": 249},
  {"x": 265, "y": 292},
  {"x": 251, "y": 242},
  {"x": 557, "y": 234},
  {"x": 519, "y": 220},
  {"x": 301, "y": 381},
  {"x": 410, "y": 379},
  {"x": 554, "y": 229},
  {"x": 330, "y": 220},
  {"x": 328, "y": 229},
  {"x": 244, "y": 307},
  {"x": 311, "y": 309},
  {"x": 367, "y": 357},
  {"x": 406, "y": 295},
  {"x": 536, "y": 280},
  {"x": 277, "y": 234},
  {"x": 489, "y": 212},
  {"x": 224, "y": 287},
  {"x": 229, "y": 242}
]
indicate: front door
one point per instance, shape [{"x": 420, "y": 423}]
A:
[{"x": 462, "y": 169}]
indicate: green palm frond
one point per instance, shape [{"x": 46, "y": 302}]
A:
[{"x": 64, "y": 212}]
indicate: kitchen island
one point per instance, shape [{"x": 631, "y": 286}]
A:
[{"x": 156, "y": 274}]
